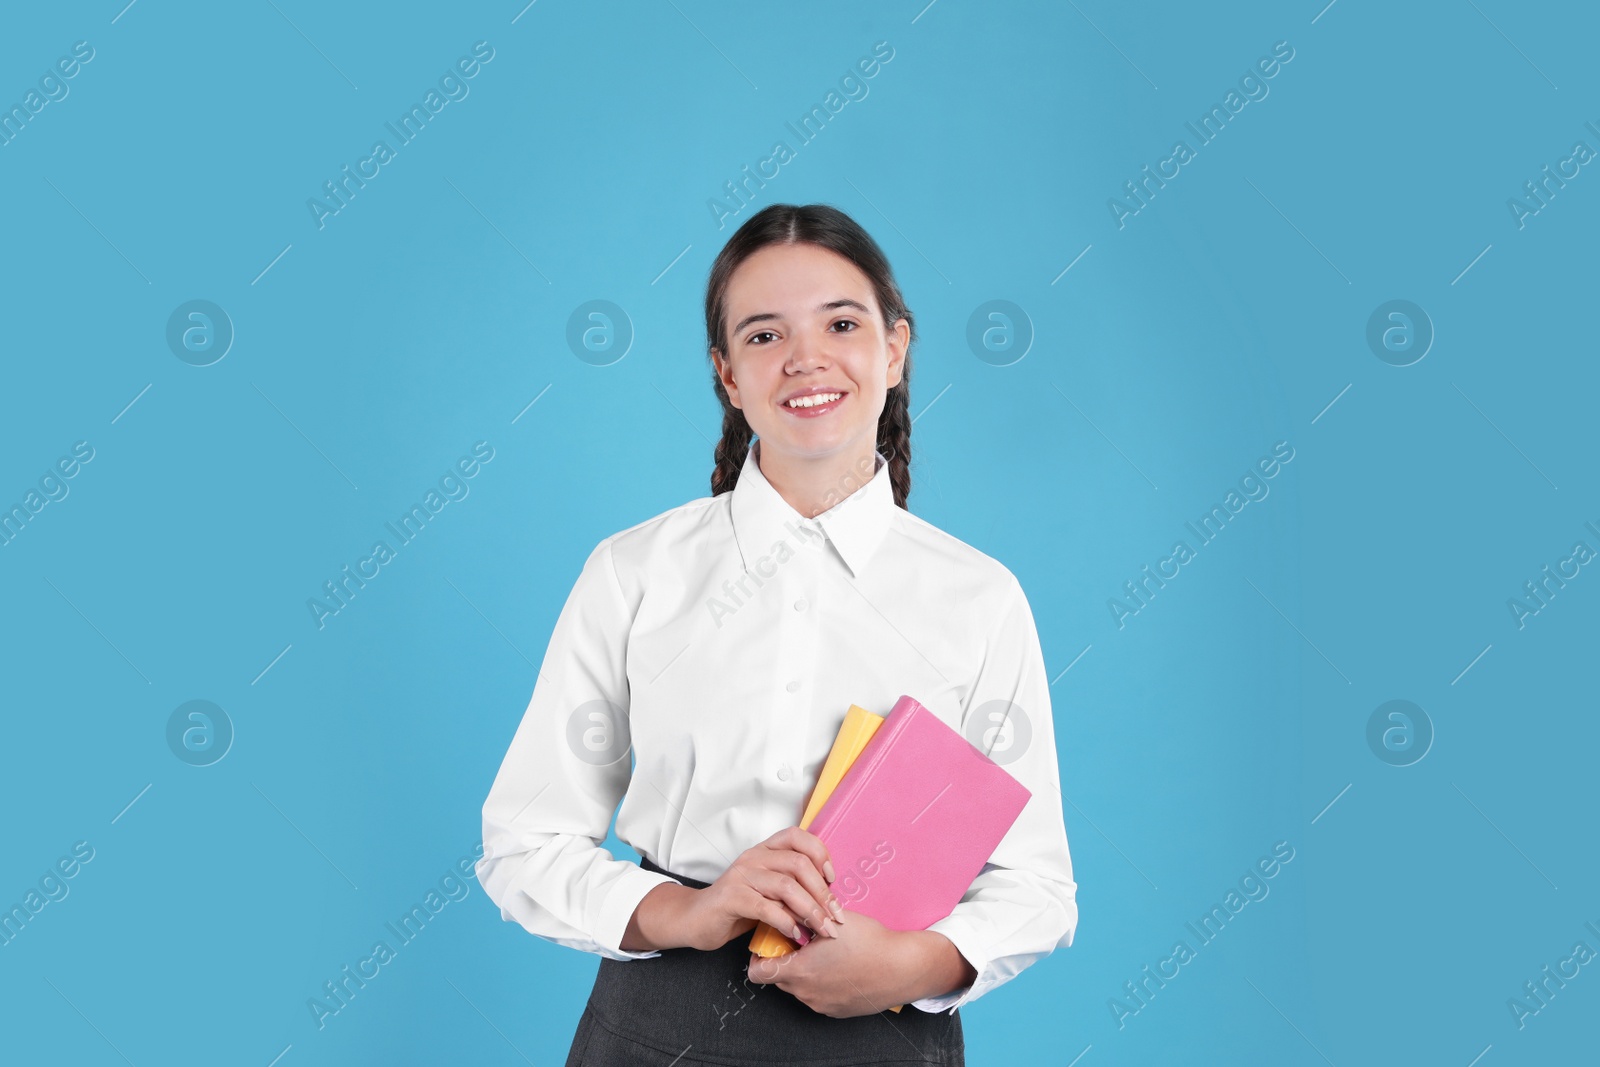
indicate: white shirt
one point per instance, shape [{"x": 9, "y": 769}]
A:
[{"x": 726, "y": 638}]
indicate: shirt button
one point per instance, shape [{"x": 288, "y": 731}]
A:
[
  {"x": 783, "y": 773},
  {"x": 800, "y": 605},
  {"x": 794, "y": 686}
]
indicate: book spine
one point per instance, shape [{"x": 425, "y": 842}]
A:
[{"x": 865, "y": 765}]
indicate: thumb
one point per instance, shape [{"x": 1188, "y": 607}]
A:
[{"x": 763, "y": 968}]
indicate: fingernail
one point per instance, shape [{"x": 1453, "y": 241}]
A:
[
  {"x": 794, "y": 932},
  {"x": 830, "y": 927},
  {"x": 827, "y": 869},
  {"x": 836, "y": 908}
]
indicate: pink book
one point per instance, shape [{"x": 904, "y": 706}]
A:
[{"x": 914, "y": 820}]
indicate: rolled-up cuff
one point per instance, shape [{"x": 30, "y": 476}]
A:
[
  {"x": 961, "y": 936},
  {"x": 618, "y": 907}
]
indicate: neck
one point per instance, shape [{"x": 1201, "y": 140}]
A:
[{"x": 812, "y": 485}]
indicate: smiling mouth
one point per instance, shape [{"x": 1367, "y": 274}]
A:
[{"x": 813, "y": 403}]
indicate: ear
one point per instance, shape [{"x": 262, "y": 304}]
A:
[
  {"x": 724, "y": 371},
  {"x": 898, "y": 340}
]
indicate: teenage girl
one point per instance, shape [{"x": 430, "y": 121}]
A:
[{"x": 719, "y": 645}]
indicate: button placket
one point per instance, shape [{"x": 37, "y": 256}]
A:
[{"x": 794, "y": 671}]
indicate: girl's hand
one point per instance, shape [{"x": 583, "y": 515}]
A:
[
  {"x": 868, "y": 968},
  {"x": 781, "y": 881}
]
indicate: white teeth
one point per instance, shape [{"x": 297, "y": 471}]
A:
[{"x": 813, "y": 400}]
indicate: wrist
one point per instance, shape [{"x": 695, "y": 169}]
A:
[
  {"x": 662, "y": 919},
  {"x": 935, "y": 966}
]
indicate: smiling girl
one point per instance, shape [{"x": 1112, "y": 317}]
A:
[{"x": 825, "y": 591}]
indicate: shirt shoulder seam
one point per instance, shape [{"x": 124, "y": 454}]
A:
[
  {"x": 685, "y": 508},
  {"x": 976, "y": 553}
]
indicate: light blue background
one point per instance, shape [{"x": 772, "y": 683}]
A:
[{"x": 1228, "y": 715}]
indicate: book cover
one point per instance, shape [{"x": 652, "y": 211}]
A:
[
  {"x": 914, "y": 819},
  {"x": 857, "y": 729}
]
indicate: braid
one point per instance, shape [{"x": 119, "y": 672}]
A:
[
  {"x": 894, "y": 434},
  {"x": 733, "y": 447}
]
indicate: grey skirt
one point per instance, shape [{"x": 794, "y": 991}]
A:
[{"x": 687, "y": 1007}]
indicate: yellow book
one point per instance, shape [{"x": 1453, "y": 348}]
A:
[{"x": 857, "y": 729}]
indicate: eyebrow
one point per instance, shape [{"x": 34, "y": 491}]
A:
[{"x": 765, "y": 316}]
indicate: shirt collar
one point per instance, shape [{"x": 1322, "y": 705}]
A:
[{"x": 856, "y": 524}]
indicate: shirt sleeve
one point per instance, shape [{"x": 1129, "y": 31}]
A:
[
  {"x": 1023, "y": 903},
  {"x": 559, "y": 784}
]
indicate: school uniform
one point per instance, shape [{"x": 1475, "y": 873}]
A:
[{"x": 697, "y": 675}]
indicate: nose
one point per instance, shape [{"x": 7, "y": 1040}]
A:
[{"x": 806, "y": 353}]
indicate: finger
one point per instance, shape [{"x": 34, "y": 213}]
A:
[
  {"x": 808, "y": 843},
  {"x": 753, "y": 903},
  {"x": 802, "y": 868},
  {"x": 783, "y": 883},
  {"x": 763, "y": 968}
]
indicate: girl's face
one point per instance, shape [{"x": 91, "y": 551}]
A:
[{"x": 803, "y": 321}]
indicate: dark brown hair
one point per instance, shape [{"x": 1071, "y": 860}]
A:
[{"x": 830, "y": 228}]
